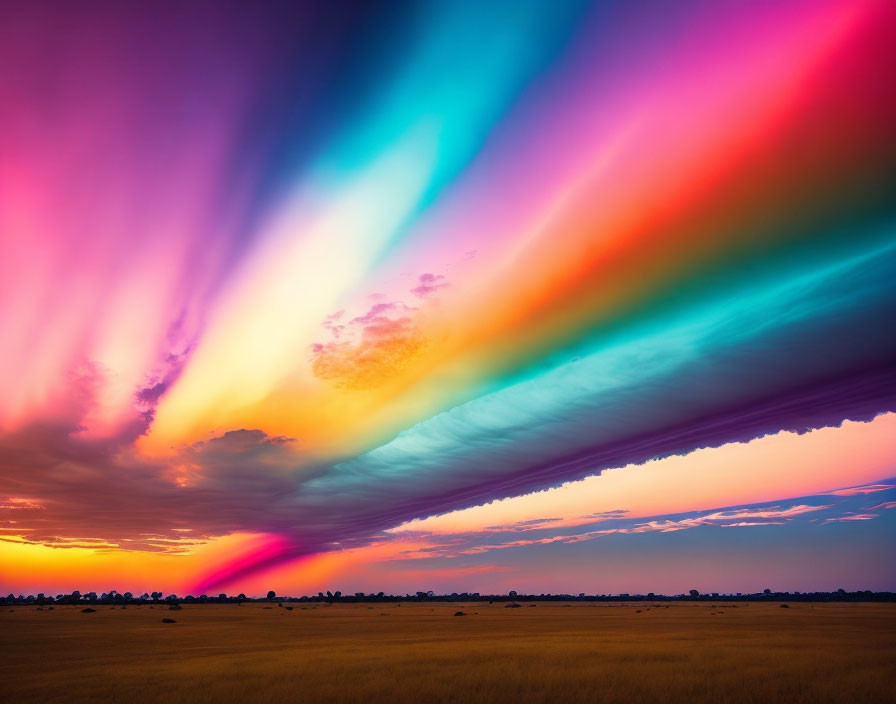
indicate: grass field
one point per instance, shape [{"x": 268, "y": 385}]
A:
[{"x": 552, "y": 652}]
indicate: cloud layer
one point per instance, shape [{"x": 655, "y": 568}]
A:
[{"x": 433, "y": 265}]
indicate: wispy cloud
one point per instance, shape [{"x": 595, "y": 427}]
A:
[
  {"x": 857, "y": 490},
  {"x": 731, "y": 518},
  {"x": 884, "y": 505},
  {"x": 852, "y": 517}
]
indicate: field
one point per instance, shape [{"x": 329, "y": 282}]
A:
[{"x": 422, "y": 652}]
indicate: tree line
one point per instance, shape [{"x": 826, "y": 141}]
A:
[{"x": 114, "y": 597}]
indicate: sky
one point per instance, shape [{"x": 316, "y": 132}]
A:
[{"x": 557, "y": 297}]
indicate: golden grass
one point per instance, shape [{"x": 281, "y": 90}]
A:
[{"x": 756, "y": 653}]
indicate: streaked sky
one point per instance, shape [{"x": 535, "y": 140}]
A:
[{"x": 471, "y": 296}]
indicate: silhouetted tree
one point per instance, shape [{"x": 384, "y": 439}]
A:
[
  {"x": 271, "y": 595},
  {"x": 694, "y": 593}
]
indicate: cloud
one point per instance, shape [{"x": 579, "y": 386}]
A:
[
  {"x": 370, "y": 349},
  {"x": 853, "y": 517},
  {"x": 661, "y": 392},
  {"x": 62, "y": 488},
  {"x": 470, "y": 544},
  {"x": 858, "y": 490},
  {"x": 429, "y": 284},
  {"x": 712, "y": 376}
]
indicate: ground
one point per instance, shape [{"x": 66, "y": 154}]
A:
[{"x": 421, "y": 652}]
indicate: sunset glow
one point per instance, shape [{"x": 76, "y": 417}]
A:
[{"x": 577, "y": 296}]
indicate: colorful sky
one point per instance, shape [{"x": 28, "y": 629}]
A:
[{"x": 468, "y": 296}]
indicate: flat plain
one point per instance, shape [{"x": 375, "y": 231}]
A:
[{"x": 421, "y": 652}]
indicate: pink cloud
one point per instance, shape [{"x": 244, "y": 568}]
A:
[
  {"x": 429, "y": 284},
  {"x": 885, "y": 504},
  {"x": 854, "y": 517},
  {"x": 856, "y": 490},
  {"x": 544, "y": 523},
  {"x": 658, "y": 525}
]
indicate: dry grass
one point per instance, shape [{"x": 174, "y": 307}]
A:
[{"x": 756, "y": 653}]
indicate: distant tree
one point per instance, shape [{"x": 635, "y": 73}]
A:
[
  {"x": 767, "y": 592},
  {"x": 222, "y": 597},
  {"x": 512, "y": 592},
  {"x": 694, "y": 593},
  {"x": 271, "y": 595},
  {"x": 128, "y": 596},
  {"x": 337, "y": 594}
]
